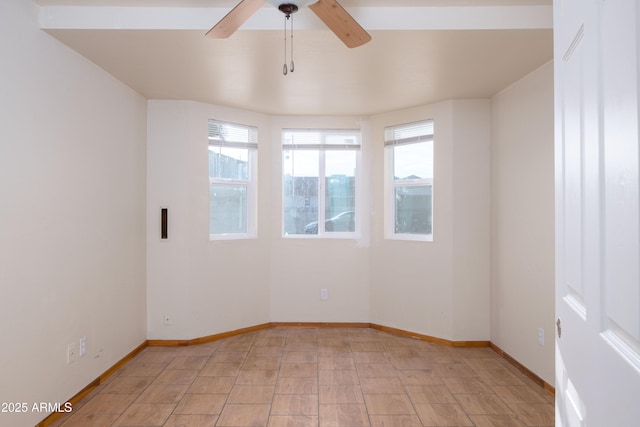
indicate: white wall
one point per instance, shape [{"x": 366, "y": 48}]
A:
[
  {"x": 438, "y": 288},
  {"x": 471, "y": 219},
  {"x": 522, "y": 223},
  {"x": 72, "y": 215},
  {"x": 205, "y": 287},
  {"x": 300, "y": 267}
]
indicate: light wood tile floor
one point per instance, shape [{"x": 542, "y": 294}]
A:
[{"x": 320, "y": 377}]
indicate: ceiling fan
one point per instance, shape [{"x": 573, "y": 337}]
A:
[{"x": 329, "y": 11}]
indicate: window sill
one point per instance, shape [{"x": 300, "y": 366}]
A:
[
  {"x": 231, "y": 236},
  {"x": 332, "y": 236},
  {"x": 410, "y": 237}
]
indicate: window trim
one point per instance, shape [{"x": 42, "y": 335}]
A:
[
  {"x": 322, "y": 148},
  {"x": 391, "y": 184},
  {"x": 250, "y": 183}
]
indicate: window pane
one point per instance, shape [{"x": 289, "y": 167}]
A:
[
  {"x": 301, "y": 162},
  {"x": 340, "y": 191},
  {"x": 300, "y": 191},
  {"x": 229, "y": 163},
  {"x": 413, "y": 209},
  {"x": 413, "y": 161},
  {"x": 228, "y": 209}
]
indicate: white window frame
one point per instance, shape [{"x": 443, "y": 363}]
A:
[
  {"x": 391, "y": 141},
  {"x": 322, "y": 148},
  {"x": 250, "y": 183}
]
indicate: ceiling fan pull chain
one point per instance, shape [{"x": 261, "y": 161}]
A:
[
  {"x": 292, "y": 66},
  {"x": 284, "y": 67}
]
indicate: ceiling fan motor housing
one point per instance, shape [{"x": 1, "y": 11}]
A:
[
  {"x": 288, "y": 8},
  {"x": 298, "y": 3}
]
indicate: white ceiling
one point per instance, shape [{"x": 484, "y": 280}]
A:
[{"x": 422, "y": 52}]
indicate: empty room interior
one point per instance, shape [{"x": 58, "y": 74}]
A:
[{"x": 132, "y": 222}]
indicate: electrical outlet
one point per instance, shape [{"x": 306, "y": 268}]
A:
[
  {"x": 540, "y": 336},
  {"x": 83, "y": 347},
  {"x": 167, "y": 320},
  {"x": 72, "y": 352},
  {"x": 324, "y": 294}
]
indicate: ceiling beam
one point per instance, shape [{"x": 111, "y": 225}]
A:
[{"x": 269, "y": 18}]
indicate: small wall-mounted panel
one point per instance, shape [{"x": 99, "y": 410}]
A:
[{"x": 164, "y": 223}]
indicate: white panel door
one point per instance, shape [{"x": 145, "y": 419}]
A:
[{"x": 597, "y": 212}]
